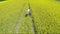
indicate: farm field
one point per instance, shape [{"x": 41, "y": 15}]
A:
[{"x": 46, "y": 15}]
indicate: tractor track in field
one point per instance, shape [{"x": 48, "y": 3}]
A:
[
  {"x": 18, "y": 24},
  {"x": 33, "y": 25}
]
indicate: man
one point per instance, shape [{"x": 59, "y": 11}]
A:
[{"x": 28, "y": 12}]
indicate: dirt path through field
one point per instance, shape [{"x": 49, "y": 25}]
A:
[{"x": 16, "y": 31}]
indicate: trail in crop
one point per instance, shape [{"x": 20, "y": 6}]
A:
[
  {"x": 33, "y": 25},
  {"x": 32, "y": 20},
  {"x": 18, "y": 24}
]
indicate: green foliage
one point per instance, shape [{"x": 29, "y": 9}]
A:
[{"x": 46, "y": 15}]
